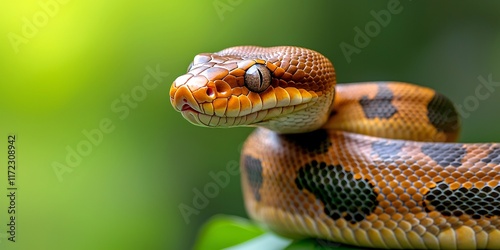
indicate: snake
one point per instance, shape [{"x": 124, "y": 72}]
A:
[{"x": 369, "y": 164}]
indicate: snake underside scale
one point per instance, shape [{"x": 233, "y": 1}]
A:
[{"x": 367, "y": 164}]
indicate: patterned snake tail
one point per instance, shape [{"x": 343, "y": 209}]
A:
[{"x": 367, "y": 164}]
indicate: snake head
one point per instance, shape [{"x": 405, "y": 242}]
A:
[{"x": 286, "y": 89}]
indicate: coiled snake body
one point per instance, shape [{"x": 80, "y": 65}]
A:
[{"x": 366, "y": 164}]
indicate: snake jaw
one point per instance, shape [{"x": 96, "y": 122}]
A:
[
  {"x": 287, "y": 115},
  {"x": 220, "y": 106}
]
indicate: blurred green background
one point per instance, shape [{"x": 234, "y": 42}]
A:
[{"x": 66, "y": 66}]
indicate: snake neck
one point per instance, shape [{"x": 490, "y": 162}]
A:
[{"x": 311, "y": 117}]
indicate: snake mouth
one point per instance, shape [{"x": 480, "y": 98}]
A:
[
  {"x": 190, "y": 114},
  {"x": 187, "y": 107},
  {"x": 204, "y": 114},
  {"x": 277, "y": 108},
  {"x": 254, "y": 118}
]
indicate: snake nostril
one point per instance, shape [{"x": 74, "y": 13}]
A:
[{"x": 210, "y": 92}]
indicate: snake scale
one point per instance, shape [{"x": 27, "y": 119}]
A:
[{"x": 367, "y": 164}]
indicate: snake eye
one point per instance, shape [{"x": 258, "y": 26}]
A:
[
  {"x": 190, "y": 66},
  {"x": 258, "y": 78}
]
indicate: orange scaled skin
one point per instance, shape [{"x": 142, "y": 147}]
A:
[{"x": 365, "y": 165}]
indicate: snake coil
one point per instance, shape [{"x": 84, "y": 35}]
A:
[{"x": 367, "y": 164}]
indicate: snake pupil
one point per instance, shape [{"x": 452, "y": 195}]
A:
[{"x": 258, "y": 78}]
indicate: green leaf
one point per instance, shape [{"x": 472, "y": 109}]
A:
[
  {"x": 316, "y": 244},
  {"x": 268, "y": 241},
  {"x": 223, "y": 231},
  {"x": 235, "y": 233}
]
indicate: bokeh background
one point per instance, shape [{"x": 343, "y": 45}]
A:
[{"x": 64, "y": 64}]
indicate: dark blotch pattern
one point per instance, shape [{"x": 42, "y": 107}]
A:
[
  {"x": 474, "y": 201},
  {"x": 380, "y": 106},
  {"x": 445, "y": 154},
  {"x": 493, "y": 156},
  {"x": 315, "y": 142},
  {"x": 253, "y": 168},
  {"x": 442, "y": 114},
  {"x": 342, "y": 195},
  {"x": 387, "y": 150}
]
